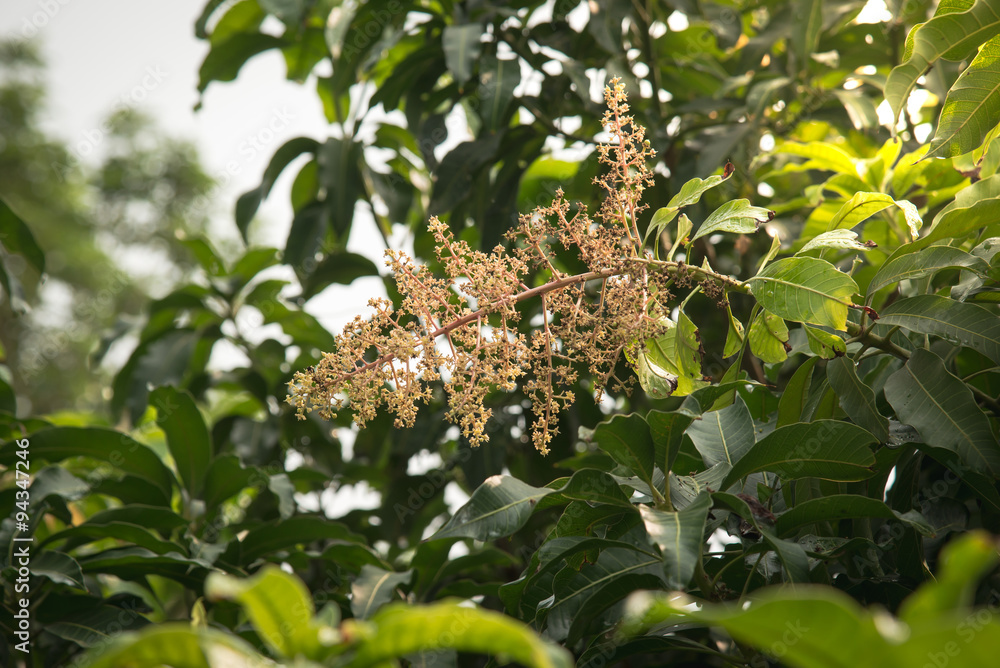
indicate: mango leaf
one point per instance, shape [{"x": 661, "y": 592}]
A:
[
  {"x": 966, "y": 324},
  {"x": 843, "y": 239},
  {"x": 974, "y": 207},
  {"x": 856, "y": 398},
  {"x": 124, "y": 531},
  {"x": 187, "y": 436},
  {"x": 736, "y": 216},
  {"x": 225, "y": 59},
  {"x": 593, "y": 588},
  {"x": 283, "y": 534},
  {"x": 794, "y": 398},
  {"x": 16, "y": 237},
  {"x": 461, "y": 49},
  {"x": 821, "y": 155},
  {"x": 689, "y": 194},
  {"x": 498, "y": 507},
  {"x": 667, "y": 431},
  {"x": 826, "y": 345},
  {"x": 838, "y": 507},
  {"x": 400, "y": 630},
  {"x": 95, "y": 626},
  {"x": 735, "y": 334},
  {"x": 588, "y": 485},
  {"x": 671, "y": 363},
  {"x": 249, "y": 202},
  {"x": 943, "y": 410},
  {"x": 963, "y": 562},
  {"x": 792, "y": 556},
  {"x": 57, "y": 567},
  {"x": 171, "y": 644},
  {"x": 374, "y": 588},
  {"x": 626, "y": 438},
  {"x": 497, "y": 81},
  {"x": 972, "y": 108},
  {"x": 860, "y": 207},
  {"x": 906, "y": 264},
  {"x": 769, "y": 338},
  {"x": 272, "y": 599},
  {"x": 679, "y": 536},
  {"x": 117, "y": 448},
  {"x": 805, "y": 289},
  {"x": 952, "y": 36},
  {"x": 826, "y": 449},
  {"x": 724, "y": 435}
]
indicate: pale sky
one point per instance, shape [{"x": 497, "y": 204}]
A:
[{"x": 103, "y": 53}]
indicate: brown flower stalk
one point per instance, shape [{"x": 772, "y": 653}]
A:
[{"x": 462, "y": 328}]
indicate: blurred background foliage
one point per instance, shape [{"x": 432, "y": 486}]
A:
[{"x": 155, "y": 465}]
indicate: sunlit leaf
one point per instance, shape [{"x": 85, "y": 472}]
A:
[{"x": 805, "y": 289}]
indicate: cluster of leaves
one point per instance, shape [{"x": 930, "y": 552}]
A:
[{"x": 823, "y": 449}]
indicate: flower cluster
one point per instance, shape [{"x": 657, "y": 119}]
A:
[{"x": 463, "y": 328}]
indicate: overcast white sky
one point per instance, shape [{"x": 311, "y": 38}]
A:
[{"x": 103, "y": 52}]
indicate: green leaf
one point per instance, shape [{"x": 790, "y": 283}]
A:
[
  {"x": 793, "y": 400},
  {"x": 689, "y": 194},
  {"x": 187, "y": 436},
  {"x": 972, "y": 108},
  {"x": 734, "y": 334},
  {"x": 736, "y": 216},
  {"x": 943, "y": 410},
  {"x": 341, "y": 268},
  {"x": 808, "y": 25},
  {"x": 249, "y": 202},
  {"x": 159, "y": 519},
  {"x": 856, "y": 398},
  {"x": 374, "y": 588},
  {"x": 16, "y": 237},
  {"x": 952, "y": 36},
  {"x": 826, "y": 345},
  {"x": 974, "y": 207},
  {"x": 589, "y": 485},
  {"x": 119, "y": 449},
  {"x": 831, "y": 509},
  {"x": 826, "y": 449},
  {"x": 670, "y": 364},
  {"x": 821, "y": 155},
  {"x": 963, "y": 563},
  {"x": 461, "y": 49},
  {"x": 805, "y": 289},
  {"x": 57, "y": 567},
  {"x": 667, "y": 431},
  {"x": 724, "y": 435},
  {"x": 769, "y": 338},
  {"x": 679, "y": 536},
  {"x": 172, "y": 644},
  {"x": 401, "y": 630},
  {"x": 271, "y": 537},
  {"x": 498, "y": 507},
  {"x": 842, "y": 239},
  {"x": 791, "y": 555},
  {"x": 123, "y": 531},
  {"x": 278, "y": 605},
  {"x": 964, "y": 323},
  {"x": 497, "y": 81},
  {"x": 224, "y": 60},
  {"x": 627, "y": 439},
  {"x": 906, "y": 264},
  {"x": 96, "y": 626},
  {"x": 225, "y": 477}
]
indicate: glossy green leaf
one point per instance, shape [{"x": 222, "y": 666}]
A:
[
  {"x": 690, "y": 193},
  {"x": 769, "y": 338},
  {"x": 827, "y": 449},
  {"x": 736, "y": 216},
  {"x": 842, "y": 239},
  {"x": 497, "y": 81},
  {"x": 680, "y": 537},
  {"x": 735, "y": 335},
  {"x": 461, "y": 49},
  {"x": 943, "y": 410},
  {"x": 805, "y": 289},
  {"x": 966, "y": 324},
  {"x": 627, "y": 439},
  {"x": 589, "y": 485},
  {"x": 947, "y": 35},
  {"x": 974, "y": 207},
  {"x": 793, "y": 400},
  {"x": 187, "y": 435},
  {"x": 724, "y": 435},
  {"x": 279, "y": 608},
  {"x": 117, "y": 448},
  {"x": 821, "y": 155},
  {"x": 374, "y": 588},
  {"x": 270, "y": 537},
  {"x": 498, "y": 507},
  {"x": 401, "y": 630},
  {"x": 670, "y": 364},
  {"x": 172, "y": 644},
  {"x": 56, "y": 566},
  {"x": 856, "y": 398},
  {"x": 972, "y": 108},
  {"x": 860, "y": 207},
  {"x": 828, "y": 346},
  {"x": 667, "y": 431},
  {"x": 904, "y": 265},
  {"x": 831, "y": 509}
]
